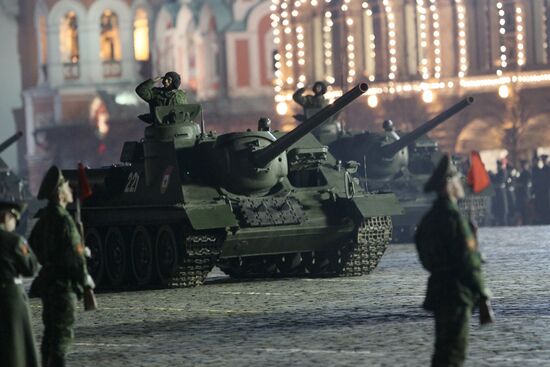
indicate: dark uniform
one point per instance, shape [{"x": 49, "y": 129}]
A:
[
  {"x": 17, "y": 346},
  {"x": 311, "y": 103},
  {"x": 448, "y": 250},
  {"x": 58, "y": 246},
  {"x": 162, "y": 96}
]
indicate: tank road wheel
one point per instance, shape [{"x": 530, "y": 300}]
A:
[
  {"x": 316, "y": 263},
  {"x": 96, "y": 264},
  {"x": 116, "y": 257},
  {"x": 289, "y": 263},
  {"x": 141, "y": 256},
  {"x": 166, "y": 254}
]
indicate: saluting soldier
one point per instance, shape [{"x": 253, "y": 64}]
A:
[
  {"x": 313, "y": 103},
  {"x": 447, "y": 248},
  {"x": 63, "y": 277},
  {"x": 17, "y": 348},
  {"x": 167, "y": 95}
]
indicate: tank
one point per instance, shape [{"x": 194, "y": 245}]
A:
[
  {"x": 399, "y": 163},
  {"x": 253, "y": 203},
  {"x": 12, "y": 185}
]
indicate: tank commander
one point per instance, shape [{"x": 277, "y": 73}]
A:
[
  {"x": 447, "y": 248},
  {"x": 57, "y": 243},
  {"x": 167, "y": 95},
  {"x": 17, "y": 346},
  {"x": 316, "y": 101}
]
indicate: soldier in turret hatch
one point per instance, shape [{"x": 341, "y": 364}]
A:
[
  {"x": 167, "y": 95},
  {"x": 311, "y": 102}
]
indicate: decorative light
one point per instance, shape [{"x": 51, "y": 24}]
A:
[
  {"x": 462, "y": 47},
  {"x": 503, "y": 91},
  {"x": 436, "y": 38},
  {"x": 279, "y": 83},
  {"x": 421, "y": 10},
  {"x": 520, "y": 37},
  {"x": 350, "y": 42},
  {"x": 327, "y": 46},
  {"x": 390, "y": 16},
  {"x": 282, "y": 108},
  {"x": 372, "y": 100},
  {"x": 502, "y": 31},
  {"x": 428, "y": 96}
]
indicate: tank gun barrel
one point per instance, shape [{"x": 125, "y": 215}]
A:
[
  {"x": 262, "y": 157},
  {"x": 391, "y": 149},
  {"x": 9, "y": 141}
]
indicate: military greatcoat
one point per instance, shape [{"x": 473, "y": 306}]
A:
[
  {"x": 17, "y": 346},
  {"x": 448, "y": 250},
  {"x": 58, "y": 246}
]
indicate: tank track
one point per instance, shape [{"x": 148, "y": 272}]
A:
[
  {"x": 201, "y": 252},
  {"x": 358, "y": 257},
  {"x": 373, "y": 237}
]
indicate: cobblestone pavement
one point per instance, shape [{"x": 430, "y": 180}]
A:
[{"x": 373, "y": 320}]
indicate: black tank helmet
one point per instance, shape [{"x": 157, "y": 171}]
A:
[
  {"x": 321, "y": 86},
  {"x": 176, "y": 79}
]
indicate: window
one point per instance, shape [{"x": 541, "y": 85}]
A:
[
  {"x": 141, "y": 35},
  {"x": 110, "y": 37},
  {"x": 69, "y": 38}
]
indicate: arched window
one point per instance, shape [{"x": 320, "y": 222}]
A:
[
  {"x": 141, "y": 35},
  {"x": 68, "y": 44},
  {"x": 69, "y": 38},
  {"x": 109, "y": 44},
  {"x": 109, "y": 37}
]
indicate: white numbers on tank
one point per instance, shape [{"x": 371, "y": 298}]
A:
[{"x": 133, "y": 180}]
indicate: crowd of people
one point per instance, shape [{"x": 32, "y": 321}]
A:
[{"x": 522, "y": 194}]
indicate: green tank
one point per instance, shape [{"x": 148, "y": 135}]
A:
[
  {"x": 254, "y": 203},
  {"x": 402, "y": 164}
]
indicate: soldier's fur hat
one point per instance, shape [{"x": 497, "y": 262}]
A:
[
  {"x": 11, "y": 204},
  {"x": 444, "y": 171},
  {"x": 51, "y": 182}
]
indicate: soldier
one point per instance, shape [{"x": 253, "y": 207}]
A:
[
  {"x": 63, "y": 277},
  {"x": 17, "y": 348},
  {"x": 447, "y": 248},
  {"x": 167, "y": 95},
  {"x": 313, "y": 103}
]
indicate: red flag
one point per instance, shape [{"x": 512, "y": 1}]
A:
[
  {"x": 477, "y": 178},
  {"x": 83, "y": 184}
]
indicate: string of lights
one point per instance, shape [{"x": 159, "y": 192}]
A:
[
  {"x": 462, "y": 47},
  {"x": 502, "y": 33},
  {"x": 423, "y": 25}
]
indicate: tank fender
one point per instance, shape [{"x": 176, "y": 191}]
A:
[
  {"x": 210, "y": 216},
  {"x": 367, "y": 206}
]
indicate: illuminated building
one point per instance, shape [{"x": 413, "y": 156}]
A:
[
  {"x": 83, "y": 58},
  {"x": 420, "y": 56}
]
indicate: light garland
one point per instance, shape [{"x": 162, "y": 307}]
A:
[
  {"x": 350, "y": 42},
  {"x": 462, "y": 47},
  {"x": 520, "y": 37},
  {"x": 327, "y": 45},
  {"x": 422, "y": 17},
  {"x": 392, "y": 42},
  {"x": 436, "y": 39},
  {"x": 502, "y": 32},
  {"x": 370, "y": 45},
  {"x": 279, "y": 83}
]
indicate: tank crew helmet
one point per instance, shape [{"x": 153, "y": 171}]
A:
[
  {"x": 264, "y": 124},
  {"x": 51, "y": 183},
  {"x": 444, "y": 171},
  {"x": 319, "y": 88},
  {"x": 388, "y": 125},
  {"x": 175, "y": 77},
  {"x": 8, "y": 203}
]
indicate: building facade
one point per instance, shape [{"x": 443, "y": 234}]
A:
[
  {"x": 420, "y": 56},
  {"x": 83, "y": 59}
]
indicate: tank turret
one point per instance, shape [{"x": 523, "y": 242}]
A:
[
  {"x": 184, "y": 200},
  {"x": 385, "y": 155}
]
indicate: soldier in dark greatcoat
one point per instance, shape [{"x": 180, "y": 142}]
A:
[
  {"x": 17, "y": 348},
  {"x": 57, "y": 243},
  {"x": 447, "y": 248}
]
